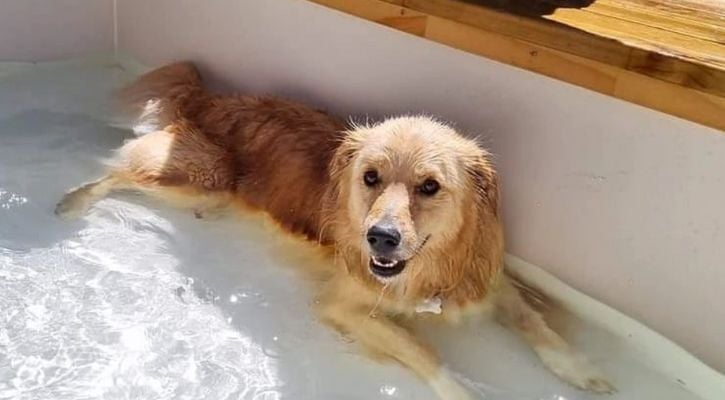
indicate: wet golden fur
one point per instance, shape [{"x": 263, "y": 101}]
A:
[{"x": 305, "y": 169}]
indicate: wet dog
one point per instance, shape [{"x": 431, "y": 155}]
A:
[{"x": 410, "y": 207}]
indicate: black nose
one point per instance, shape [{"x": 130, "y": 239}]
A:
[{"x": 383, "y": 238}]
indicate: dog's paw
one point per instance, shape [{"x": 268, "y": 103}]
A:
[
  {"x": 73, "y": 205},
  {"x": 448, "y": 388},
  {"x": 576, "y": 370},
  {"x": 600, "y": 385}
]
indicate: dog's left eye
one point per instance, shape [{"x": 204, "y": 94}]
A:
[
  {"x": 371, "y": 178},
  {"x": 429, "y": 187}
]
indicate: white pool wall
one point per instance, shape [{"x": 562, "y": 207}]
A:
[
  {"x": 622, "y": 202},
  {"x": 42, "y": 30}
]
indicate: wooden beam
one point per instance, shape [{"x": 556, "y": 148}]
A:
[{"x": 686, "y": 79}]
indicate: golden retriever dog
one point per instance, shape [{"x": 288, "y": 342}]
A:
[{"x": 409, "y": 206}]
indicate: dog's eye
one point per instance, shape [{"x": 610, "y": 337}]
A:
[
  {"x": 371, "y": 178},
  {"x": 429, "y": 187}
]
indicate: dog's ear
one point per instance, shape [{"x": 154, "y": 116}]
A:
[
  {"x": 345, "y": 152},
  {"x": 485, "y": 180}
]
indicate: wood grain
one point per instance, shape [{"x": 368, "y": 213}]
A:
[{"x": 665, "y": 55}]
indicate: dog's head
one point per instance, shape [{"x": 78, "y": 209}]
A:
[{"x": 409, "y": 191}]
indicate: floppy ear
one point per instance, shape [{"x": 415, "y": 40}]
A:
[
  {"x": 485, "y": 181},
  {"x": 345, "y": 152}
]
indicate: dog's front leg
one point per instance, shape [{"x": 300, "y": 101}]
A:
[
  {"x": 513, "y": 311},
  {"x": 380, "y": 335}
]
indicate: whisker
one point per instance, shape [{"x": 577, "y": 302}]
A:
[
  {"x": 377, "y": 302},
  {"x": 420, "y": 247}
]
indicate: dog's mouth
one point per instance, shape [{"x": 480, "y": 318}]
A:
[{"x": 385, "y": 267}]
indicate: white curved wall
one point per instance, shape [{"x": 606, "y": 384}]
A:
[{"x": 39, "y": 30}]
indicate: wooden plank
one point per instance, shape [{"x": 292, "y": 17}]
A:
[
  {"x": 687, "y": 74},
  {"x": 663, "y": 96},
  {"x": 659, "y": 81},
  {"x": 539, "y": 32},
  {"x": 708, "y": 9},
  {"x": 686, "y": 103},
  {"x": 628, "y": 51},
  {"x": 585, "y": 44},
  {"x": 383, "y": 12},
  {"x": 644, "y": 37},
  {"x": 560, "y": 65},
  {"x": 667, "y": 17}
]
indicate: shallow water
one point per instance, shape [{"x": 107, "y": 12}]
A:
[{"x": 139, "y": 301}]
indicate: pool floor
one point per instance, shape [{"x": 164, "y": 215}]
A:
[{"x": 141, "y": 301}]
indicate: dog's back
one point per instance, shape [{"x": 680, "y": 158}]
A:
[{"x": 273, "y": 154}]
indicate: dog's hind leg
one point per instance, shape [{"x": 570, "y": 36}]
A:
[
  {"x": 176, "y": 164},
  {"x": 514, "y": 312},
  {"x": 77, "y": 201}
]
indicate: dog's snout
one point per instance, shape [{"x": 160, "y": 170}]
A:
[{"x": 383, "y": 238}]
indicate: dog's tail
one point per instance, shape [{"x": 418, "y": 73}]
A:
[{"x": 162, "y": 96}]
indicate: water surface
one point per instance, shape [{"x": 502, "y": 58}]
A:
[{"x": 140, "y": 301}]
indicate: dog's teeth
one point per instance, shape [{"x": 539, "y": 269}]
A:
[{"x": 388, "y": 264}]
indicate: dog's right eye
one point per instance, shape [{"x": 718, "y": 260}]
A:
[{"x": 371, "y": 178}]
